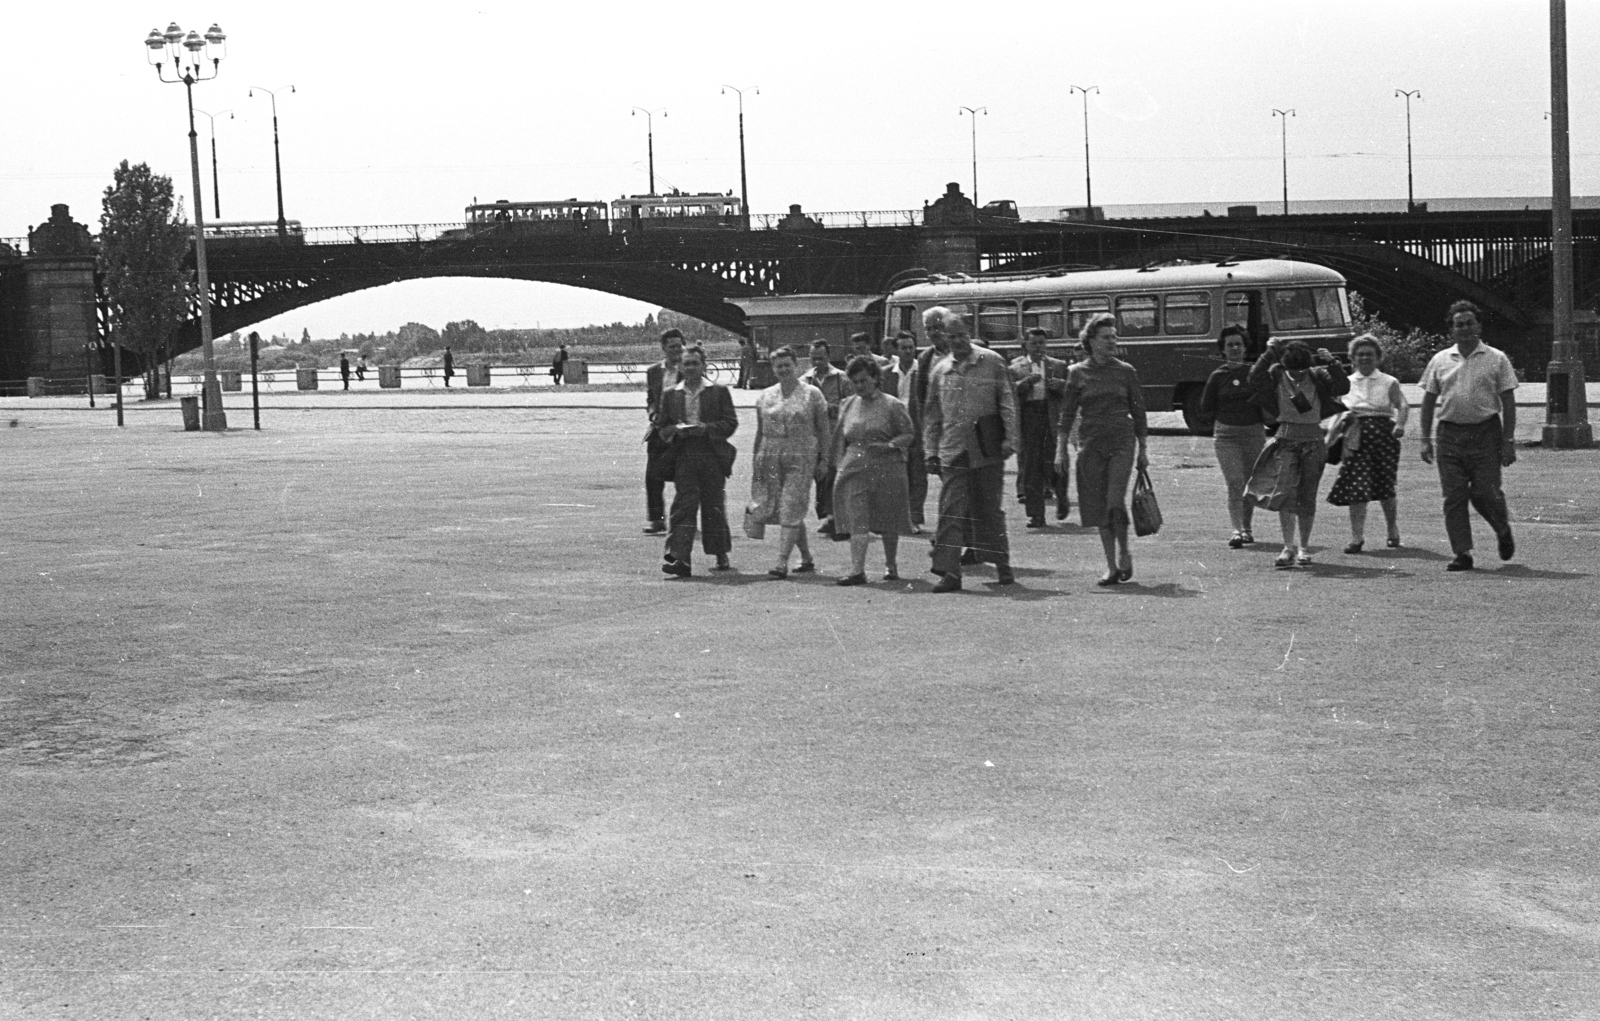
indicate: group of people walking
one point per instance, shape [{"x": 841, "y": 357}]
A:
[{"x": 857, "y": 445}]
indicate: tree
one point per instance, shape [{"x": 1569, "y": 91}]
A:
[
  {"x": 465, "y": 335},
  {"x": 144, "y": 237},
  {"x": 1405, "y": 355}
]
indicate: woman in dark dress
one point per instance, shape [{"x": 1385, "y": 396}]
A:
[{"x": 871, "y": 494}]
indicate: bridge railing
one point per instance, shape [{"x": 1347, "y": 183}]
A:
[
  {"x": 18, "y": 245},
  {"x": 860, "y": 218},
  {"x": 361, "y": 234}
]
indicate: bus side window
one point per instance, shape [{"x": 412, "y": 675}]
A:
[
  {"x": 1188, "y": 314},
  {"x": 1044, "y": 315},
  {"x": 903, "y": 317},
  {"x": 997, "y": 322},
  {"x": 1136, "y": 316},
  {"x": 1081, "y": 310}
]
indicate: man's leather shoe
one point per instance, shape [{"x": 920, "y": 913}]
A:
[
  {"x": 1462, "y": 562},
  {"x": 676, "y": 569},
  {"x": 949, "y": 583},
  {"x": 1062, "y": 510},
  {"x": 969, "y": 557},
  {"x": 655, "y": 528},
  {"x": 1508, "y": 544},
  {"x": 1036, "y": 522},
  {"x": 1005, "y": 577}
]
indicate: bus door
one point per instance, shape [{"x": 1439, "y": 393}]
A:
[{"x": 1245, "y": 308}]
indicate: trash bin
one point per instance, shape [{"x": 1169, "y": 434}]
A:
[
  {"x": 232, "y": 381},
  {"x": 389, "y": 377},
  {"x": 305, "y": 379},
  {"x": 36, "y": 386},
  {"x": 477, "y": 375},
  {"x": 191, "y": 413},
  {"x": 575, "y": 371}
]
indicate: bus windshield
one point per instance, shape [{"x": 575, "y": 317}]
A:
[{"x": 1308, "y": 308}]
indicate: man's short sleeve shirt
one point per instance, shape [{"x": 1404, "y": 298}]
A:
[{"x": 1469, "y": 388}]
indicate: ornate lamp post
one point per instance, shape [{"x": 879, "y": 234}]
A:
[
  {"x": 277, "y": 164},
  {"x": 744, "y": 183},
  {"x": 1285, "y": 114},
  {"x": 973, "y": 113},
  {"x": 650, "y": 135},
  {"x": 1411, "y": 195},
  {"x": 216, "y": 189},
  {"x": 1088, "y": 185},
  {"x": 188, "y": 56}
]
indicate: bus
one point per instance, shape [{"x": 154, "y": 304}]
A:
[
  {"x": 678, "y": 210},
  {"x": 1168, "y": 316}
]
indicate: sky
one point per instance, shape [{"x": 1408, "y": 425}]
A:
[{"x": 406, "y": 114}]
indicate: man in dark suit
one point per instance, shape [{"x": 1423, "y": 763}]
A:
[
  {"x": 1041, "y": 382},
  {"x": 657, "y": 379},
  {"x": 697, "y": 418}
]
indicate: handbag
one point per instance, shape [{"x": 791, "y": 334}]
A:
[
  {"x": 754, "y": 527},
  {"x": 1146, "y": 511}
]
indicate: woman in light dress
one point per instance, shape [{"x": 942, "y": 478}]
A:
[
  {"x": 792, "y": 447},
  {"x": 871, "y": 494},
  {"x": 1378, "y": 413}
]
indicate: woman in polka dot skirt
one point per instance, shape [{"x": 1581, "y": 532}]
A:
[{"x": 1372, "y": 443}]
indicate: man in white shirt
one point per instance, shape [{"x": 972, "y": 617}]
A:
[{"x": 1473, "y": 387}]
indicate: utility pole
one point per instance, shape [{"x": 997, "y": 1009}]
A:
[
  {"x": 1566, "y": 423},
  {"x": 1088, "y": 183},
  {"x": 1411, "y": 195},
  {"x": 650, "y": 136},
  {"x": 1285, "y": 114}
]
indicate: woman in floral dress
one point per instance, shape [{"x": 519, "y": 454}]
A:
[{"x": 792, "y": 447}]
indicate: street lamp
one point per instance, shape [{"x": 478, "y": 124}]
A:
[
  {"x": 1088, "y": 187},
  {"x": 216, "y": 189},
  {"x": 744, "y": 184},
  {"x": 277, "y": 164},
  {"x": 650, "y": 134},
  {"x": 1285, "y": 114},
  {"x": 1411, "y": 196},
  {"x": 188, "y": 55},
  {"x": 974, "y": 115}
]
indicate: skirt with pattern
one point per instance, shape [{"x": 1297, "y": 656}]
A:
[{"x": 1368, "y": 474}]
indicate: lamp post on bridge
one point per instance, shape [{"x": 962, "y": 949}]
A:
[
  {"x": 1285, "y": 114},
  {"x": 216, "y": 189},
  {"x": 188, "y": 55},
  {"x": 744, "y": 183},
  {"x": 1411, "y": 195},
  {"x": 1566, "y": 423},
  {"x": 650, "y": 135},
  {"x": 277, "y": 164},
  {"x": 1088, "y": 184},
  {"x": 973, "y": 113}
]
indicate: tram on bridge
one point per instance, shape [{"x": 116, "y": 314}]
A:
[
  {"x": 628, "y": 214},
  {"x": 1168, "y": 316}
]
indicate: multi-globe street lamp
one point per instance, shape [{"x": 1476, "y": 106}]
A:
[
  {"x": 188, "y": 56},
  {"x": 744, "y": 183},
  {"x": 650, "y": 136},
  {"x": 216, "y": 188},
  {"x": 1411, "y": 195},
  {"x": 1088, "y": 185},
  {"x": 1285, "y": 114},
  {"x": 973, "y": 113},
  {"x": 277, "y": 164}
]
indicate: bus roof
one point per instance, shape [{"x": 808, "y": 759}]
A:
[{"x": 1259, "y": 272}]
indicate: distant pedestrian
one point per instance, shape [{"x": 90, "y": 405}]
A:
[
  {"x": 1473, "y": 386},
  {"x": 449, "y": 366},
  {"x": 1041, "y": 383},
  {"x": 969, "y": 423},
  {"x": 697, "y": 418},
  {"x": 835, "y": 387},
  {"x": 1370, "y": 462},
  {"x": 1112, "y": 440},
  {"x": 861, "y": 347},
  {"x": 1238, "y": 425},
  {"x": 1301, "y": 395},
  {"x": 746, "y": 361},
  {"x": 361, "y": 369},
  {"x": 344, "y": 370},
  {"x": 869, "y": 448},
  {"x": 658, "y": 378},
  {"x": 558, "y": 365},
  {"x": 793, "y": 438}
]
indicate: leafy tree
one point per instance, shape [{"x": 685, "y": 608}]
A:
[
  {"x": 144, "y": 237},
  {"x": 465, "y": 335},
  {"x": 1405, "y": 355}
]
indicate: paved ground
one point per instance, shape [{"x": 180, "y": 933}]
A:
[{"x": 389, "y": 715}]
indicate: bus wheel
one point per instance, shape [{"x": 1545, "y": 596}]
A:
[{"x": 1191, "y": 411}]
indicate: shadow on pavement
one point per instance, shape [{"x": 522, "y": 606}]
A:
[
  {"x": 1166, "y": 590},
  {"x": 1532, "y": 574}
]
